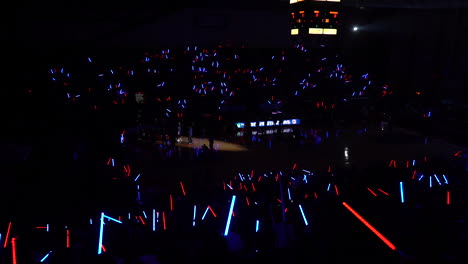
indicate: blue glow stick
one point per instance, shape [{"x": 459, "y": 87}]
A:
[
  {"x": 430, "y": 181},
  {"x": 89, "y": 59},
  {"x": 90, "y": 221},
  {"x": 401, "y": 193},
  {"x": 204, "y": 214},
  {"x": 113, "y": 219},
  {"x": 228, "y": 223},
  {"x": 303, "y": 216},
  {"x": 194, "y": 214},
  {"x": 289, "y": 194},
  {"x": 305, "y": 178},
  {"x": 446, "y": 182},
  {"x": 113, "y": 163},
  {"x": 437, "y": 179},
  {"x": 129, "y": 216},
  {"x": 328, "y": 188},
  {"x": 257, "y": 226},
  {"x": 154, "y": 220},
  {"x": 46, "y": 256},
  {"x": 47, "y": 227},
  {"x": 138, "y": 176},
  {"x": 420, "y": 177},
  {"x": 414, "y": 162},
  {"x": 144, "y": 214},
  {"x": 101, "y": 229}
]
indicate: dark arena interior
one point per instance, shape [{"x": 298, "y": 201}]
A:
[{"x": 249, "y": 131}]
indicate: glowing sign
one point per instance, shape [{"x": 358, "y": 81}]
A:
[
  {"x": 240, "y": 125},
  {"x": 329, "y": 31},
  {"x": 286, "y": 122},
  {"x": 253, "y": 124},
  {"x": 261, "y": 124},
  {"x": 295, "y": 31},
  {"x": 316, "y": 31},
  {"x": 270, "y": 123}
]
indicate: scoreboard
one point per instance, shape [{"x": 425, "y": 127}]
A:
[{"x": 314, "y": 17}]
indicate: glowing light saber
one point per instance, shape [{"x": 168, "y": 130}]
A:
[
  {"x": 68, "y": 238},
  {"x": 303, "y": 216},
  {"x": 228, "y": 223},
  {"x": 437, "y": 179},
  {"x": 430, "y": 181},
  {"x": 101, "y": 231},
  {"x": 371, "y": 191},
  {"x": 113, "y": 219},
  {"x": 13, "y": 249},
  {"x": 182, "y": 187},
  {"x": 212, "y": 212},
  {"x": 257, "y": 225},
  {"x": 46, "y": 256},
  {"x": 154, "y": 220},
  {"x": 206, "y": 211},
  {"x": 446, "y": 182},
  {"x": 194, "y": 215},
  {"x": 401, "y": 193},
  {"x": 384, "y": 239},
  {"x": 7, "y": 236},
  {"x": 380, "y": 190}
]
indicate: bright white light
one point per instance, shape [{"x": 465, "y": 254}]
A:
[{"x": 355, "y": 28}]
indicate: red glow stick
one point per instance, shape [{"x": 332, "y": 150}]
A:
[
  {"x": 383, "y": 191},
  {"x": 164, "y": 220},
  {"x": 13, "y": 249},
  {"x": 371, "y": 191},
  {"x": 253, "y": 187},
  {"x": 103, "y": 248},
  {"x": 141, "y": 219},
  {"x": 212, "y": 212},
  {"x": 68, "y": 238},
  {"x": 247, "y": 200},
  {"x": 294, "y": 166},
  {"x": 315, "y": 194},
  {"x": 448, "y": 197},
  {"x": 171, "y": 203},
  {"x": 336, "y": 190},
  {"x": 7, "y": 235},
  {"x": 385, "y": 240},
  {"x": 182, "y": 187},
  {"x": 414, "y": 175}
]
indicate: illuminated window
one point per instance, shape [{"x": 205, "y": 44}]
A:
[
  {"x": 294, "y": 31},
  {"x": 329, "y": 31},
  {"x": 316, "y": 31}
]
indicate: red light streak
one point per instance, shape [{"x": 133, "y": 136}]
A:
[
  {"x": 164, "y": 220},
  {"x": 182, "y": 187},
  {"x": 7, "y": 235},
  {"x": 142, "y": 220},
  {"x": 371, "y": 191},
  {"x": 448, "y": 197},
  {"x": 253, "y": 187},
  {"x": 171, "y": 202},
  {"x": 212, "y": 212},
  {"x": 247, "y": 200},
  {"x": 383, "y": 191},
  {"x": 13, "y": 249},
  {"x": 103, "y": 248},
  {"x": 336, "y": 190},
  {"x": 385, "y": 240},
  {"x": 68, "y": 238}
]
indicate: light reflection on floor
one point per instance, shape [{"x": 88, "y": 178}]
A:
[{"x": 218, "y": 145}]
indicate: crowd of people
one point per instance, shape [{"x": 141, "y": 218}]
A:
[{"x": 293, "y": 214}]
